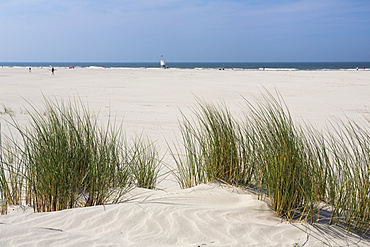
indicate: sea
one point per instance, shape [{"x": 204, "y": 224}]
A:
[{"x": 278, "y": 66}]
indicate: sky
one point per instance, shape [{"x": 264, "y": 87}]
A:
[{"x": 184, "y": 30}]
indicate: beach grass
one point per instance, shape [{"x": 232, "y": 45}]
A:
[
  {"x": 7, "y": 111},
  {"x": 350, "y": 148},
  {"x": 67, "y": 160},
  {"x": 280, "y": 156},
  {"x": 147, "y": 163},
  {"x": 215, "y": 149},
  {"x": 11, "y": 178},
  {"x": 299, "y": 169}
]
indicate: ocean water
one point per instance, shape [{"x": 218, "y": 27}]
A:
[{"x": 203, "y": 65}]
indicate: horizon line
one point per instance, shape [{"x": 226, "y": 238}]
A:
[{"x": 184, "y": 62}]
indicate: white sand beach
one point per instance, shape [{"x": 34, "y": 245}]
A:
[
  {"x": 150, "y": 102},
  {"x": 206, "y": 215}
]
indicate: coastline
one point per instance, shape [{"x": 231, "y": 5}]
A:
[{"x": 249, "y": 66}]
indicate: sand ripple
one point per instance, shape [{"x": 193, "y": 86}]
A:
[{"x": 207, "y": 215}]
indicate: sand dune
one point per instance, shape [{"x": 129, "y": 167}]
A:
[
  {"x": 206, "y": 215},
  {"x": 149, "y": 101}
]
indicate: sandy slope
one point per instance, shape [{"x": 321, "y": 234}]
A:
[
  {"x": 149, "y": 101},
  {"x": 207, "y": 215}
]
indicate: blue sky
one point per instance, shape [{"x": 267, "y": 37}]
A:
[{"x": 184, "y": 30}]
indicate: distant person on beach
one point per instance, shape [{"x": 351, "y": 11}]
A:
[
  {"x": 52, "y": 70},
  {"x": 29, "y": 69}
]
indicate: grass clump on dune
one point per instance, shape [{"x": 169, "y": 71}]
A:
[
  {"x": 11, "y": 177},
  {"x": 292, "y": 167},
  {"x": 350, "y": 197},
  {"x": 215, "y": 148},
  {"x": 267, "y": 150},
  {"x": 66, "y": 160},
  {"x": 147, "y": 164},
  {"x": 280, "y": 156},
  {"x": 299, "y": 169}
]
